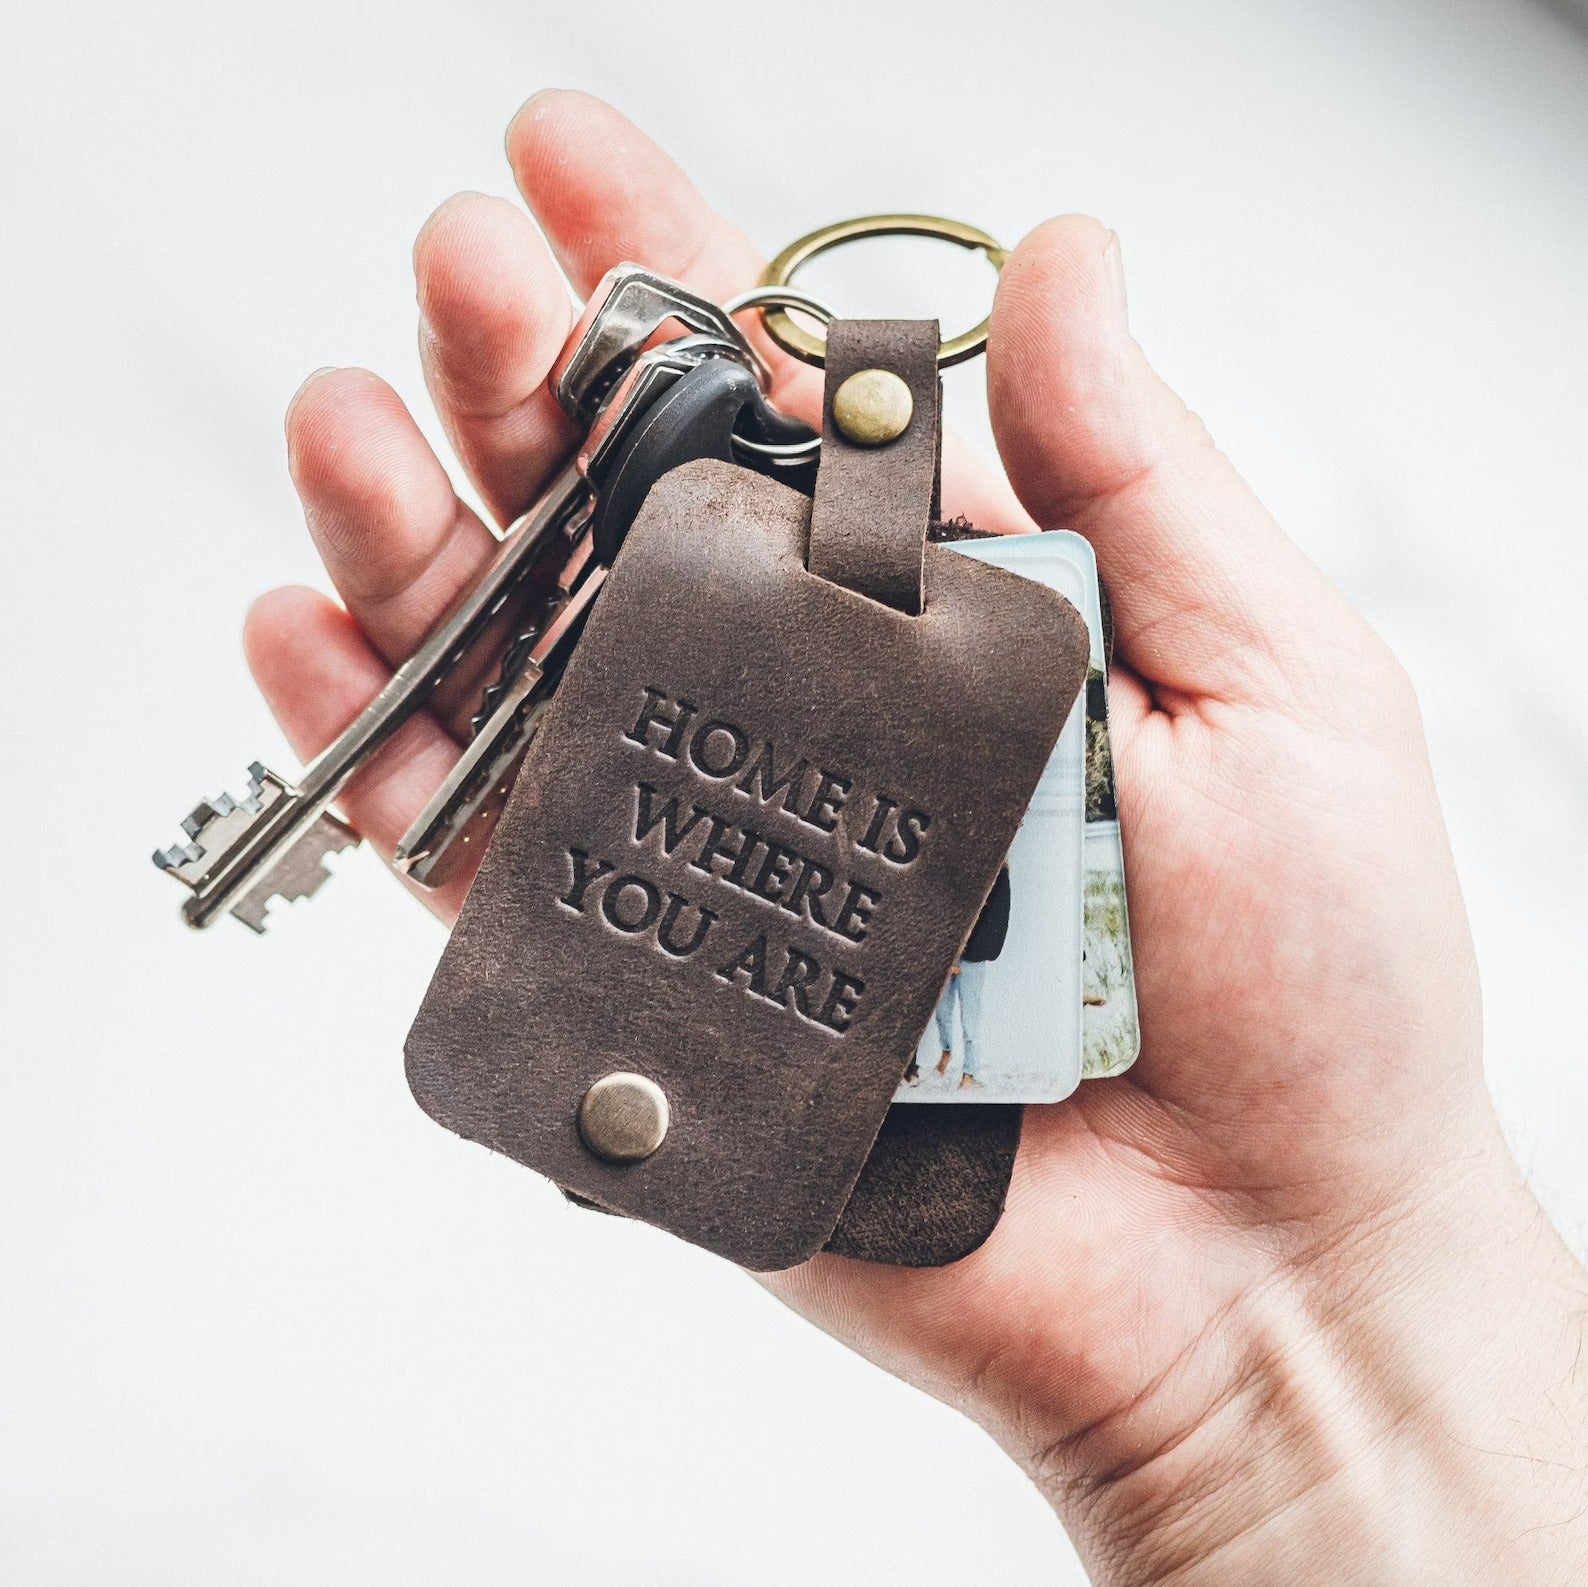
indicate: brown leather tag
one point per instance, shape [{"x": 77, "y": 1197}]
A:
[{"x": 755, "y": 829}]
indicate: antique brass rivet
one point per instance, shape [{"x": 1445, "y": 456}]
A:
[
  {"x": 872, "y": 407},
  {"x": 623, "y": 1117}
]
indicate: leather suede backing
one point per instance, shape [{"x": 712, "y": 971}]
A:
[{"x": 933, "y": 1188}]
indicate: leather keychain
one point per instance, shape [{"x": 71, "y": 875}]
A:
[{"x": 761, "y": 815}]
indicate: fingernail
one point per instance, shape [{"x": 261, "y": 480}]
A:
[{"x": 1114, "y": 259}]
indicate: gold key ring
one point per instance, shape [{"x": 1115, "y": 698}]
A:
[{"x": 813, "y": 349}]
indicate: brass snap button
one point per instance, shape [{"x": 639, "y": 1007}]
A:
[
  {"x": 872, "y": 407},
  {"x": 623, "y": 1117}
]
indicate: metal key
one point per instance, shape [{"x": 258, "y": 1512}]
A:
[
  {"x": 224, "y": 822},
  {"x": 457, "y": 822},
  {"x": 240, "y": 854},
  {"x": 460, "y": 814},
  {"x": 629, "y": 305},
  {"x": 273, "y": 842}
]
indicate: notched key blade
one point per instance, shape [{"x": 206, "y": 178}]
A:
[
  {"x": 462, "y": 812},
  {"x": 299, "y": 873},
  {"x": 222, "y": 833},
  {"x": 215, "y": 825},
  {"x": 461, "y": 815}
]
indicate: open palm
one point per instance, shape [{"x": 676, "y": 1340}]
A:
[{"x": 1310, "y": 1051}]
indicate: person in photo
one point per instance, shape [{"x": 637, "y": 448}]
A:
[{"x": 964, "y": 987}]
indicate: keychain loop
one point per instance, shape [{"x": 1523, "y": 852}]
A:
[
  {"x": 780, "y": 298},
  {"x": 781, "y": 295},
  {"x": 812, "y": 349}
]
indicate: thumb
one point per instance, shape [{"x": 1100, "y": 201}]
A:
[{"x": 1210, "y": 598}]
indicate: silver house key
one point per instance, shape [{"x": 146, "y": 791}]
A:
[
  {"x": 458, "y": 819},
  {"x": 238, "y": 854},
  {"x": 222, "y": 824}
]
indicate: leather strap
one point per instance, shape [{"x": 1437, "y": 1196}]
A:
[{"x": 873, "y": 503}]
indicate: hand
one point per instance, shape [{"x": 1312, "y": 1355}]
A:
[{"x": 1277, "y": 1304}]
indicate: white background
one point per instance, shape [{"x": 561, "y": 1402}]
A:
[{"x": 262, "y": 1322}]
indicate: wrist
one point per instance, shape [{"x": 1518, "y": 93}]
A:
[{"x": 1362, "y": 1413}]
